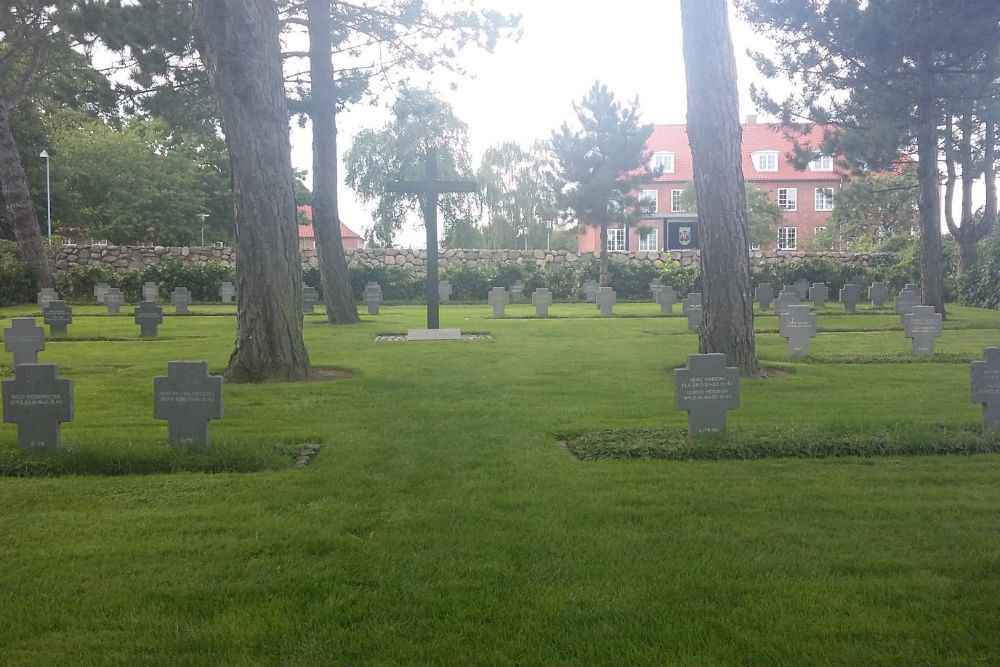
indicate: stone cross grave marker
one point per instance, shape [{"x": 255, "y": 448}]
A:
[
  {"x": 429, "y": 189},
  {"x": 912, "y": 287},
  {"x": 227, "y": 292},
  {"x": 38, "y": 400},
  {"x": 517, "y": 291},
  {"x": 764, "y": 295},
  {"x": 99, "y": 290},
  {"x": 47, "y": 295},
  {"x": 58, "y": 315},
  {"x": 114, "y": 299},
  {"x": 181, "y": 298},
  {"x": 444, "y": 291},
  {"x": 819, "y": 293},
  {"x": 541, "y": 299},
  {"x": 654, "y": 286},
  {"x": 878, "y": 294},
  {"x": 786, "y": 297},
  {"x": 857, "y": 280},
  {"x": 802, "y": 287},
  {"x": 590, "y": 289},
  {"x": 985, "y": 387},
  {"x": 797, "y": 325},
  {"x": 150, "y": 291},
  {"x": 905, "y": 302},
  {"x": 706, "y": 388},
  {"x": 309, "y": 297},
  {"x": 606, "y": 299},
  {"x": 24, "y": 339},
  {"x": 372, "y": 297},
  {"x": 849, "y": 295},
  {"x": 666, "y": 296},
  {"x": 691, "y": 307},
  {"x": 187, "y": 397},
  {"x": 498, "y": 299},
  {"x": 922, "y": 325},
  {"x": 148, "y": 316}
]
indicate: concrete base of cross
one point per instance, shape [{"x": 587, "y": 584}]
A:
[{"x": 434, "y": 334}]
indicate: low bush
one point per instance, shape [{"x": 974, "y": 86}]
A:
[
  {"x": 204, "y": 280},
  {"x": 16, "y": 276},
  {"x": 980, "y": 286},
  {"x": 787, "y": 442}
]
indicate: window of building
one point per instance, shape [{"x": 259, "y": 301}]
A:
[
  {"x": 824, "y": 199},
  {"x": 616, "y": 240},
  {"x": 786, "y": 238},
  {"x": 651, "y": 199},
  {"x": 662, "y": 160},
  {"x": 754, "y": 246},
  {"x": 675, "y": 201},
  {"x": 788, "y": 198},
  {"x": 649, "y": 239},
  {"x": 765, "y": 160},
  {"x": 822, "y": 163},
  {"x": 818, "y": 230}
]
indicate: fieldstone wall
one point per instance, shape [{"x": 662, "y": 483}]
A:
[{"x": 133, "y": 257}]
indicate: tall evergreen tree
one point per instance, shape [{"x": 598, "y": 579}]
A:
[
  {"x": 601, "y": 163},
  {"x": 886, "y": 69},
  {"x": 238, "y": 40},
  {"x": 715, "y": 135}
]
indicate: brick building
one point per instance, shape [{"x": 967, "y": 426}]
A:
[
  {"x": 307, "y": 237},
  {"x": 806, "y": 196}
]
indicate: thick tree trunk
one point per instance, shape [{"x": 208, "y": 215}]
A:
[
  {"x": 20, "y": 211},
  {"x": 238, "y": 40},
  {"x": 714, "y": 133},
  {"x": 928, "y": 197},
  {"x": 340, "y": 307}
]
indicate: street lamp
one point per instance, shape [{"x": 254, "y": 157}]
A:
[
  {"x": 202, "y": 217},
  {"x": 549, "y": 224},
  {"x": 48, "y": 192}
]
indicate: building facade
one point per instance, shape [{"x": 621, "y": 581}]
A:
[
  {"x": 805, "y": 196},
  {"x": 307, "y": 237}
]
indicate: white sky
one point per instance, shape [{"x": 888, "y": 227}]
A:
[{"x": 525, "y": 90}]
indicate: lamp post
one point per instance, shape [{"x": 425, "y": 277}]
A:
[
  {"x": 549, "y": 224},
  {"x": 48, "y": 193},
  {"x": 202, "y": 217}
]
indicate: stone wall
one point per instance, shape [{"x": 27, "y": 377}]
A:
[{"x": 131, "y": 257}]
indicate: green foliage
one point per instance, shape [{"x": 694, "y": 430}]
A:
[
  {"x": 204, "y": 280},
  {"x": 684, "y": 279},
  {"x": 16, "y": 276},
  {"x": 398, "y": 284},
  {"x": 467, "y": 283},
  {"x": 785, "y": 442},
  {"x": 631, "y": 281},
  {"x": 601, "y": 164},
  {"x": 980, "y": 286},
  {"x": 143, "y": 182},
  {"x": 397, "y": 152},
  {"x": 518, "y": 194},
  {"x": 906, "y": 267},
  {"x": 875, "y": 207}
]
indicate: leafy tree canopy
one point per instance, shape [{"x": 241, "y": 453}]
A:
[
  {"x": 420, "y": 121},
  {"x": 518, "y": 194}
]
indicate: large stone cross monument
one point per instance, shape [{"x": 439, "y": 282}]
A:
[{"x": 429, "y": 189}]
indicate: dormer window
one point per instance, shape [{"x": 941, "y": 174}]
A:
[
  {"x": 765, "y": 160},
  {"x": 821, "y": 163},
  {"x": 662, "y": 160}
]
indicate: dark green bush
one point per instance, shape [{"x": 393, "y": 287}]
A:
[
  {"x": 77, "y": 284},
  {"x": 631, "y": 281},
  {"x": 980, "y": 286},
  {"x": 397, "y": 283},
  {"x": 562, "y": 279},
  {"x": 17, "y": 277},
  {"x": 684, "y": 279}
]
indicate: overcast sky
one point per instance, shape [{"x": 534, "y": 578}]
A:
[{"x": 525, "y": 90}]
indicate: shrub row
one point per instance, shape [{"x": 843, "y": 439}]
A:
[
  {"x": 17, "y": 277},
  {"x": 77, "y": 284}
]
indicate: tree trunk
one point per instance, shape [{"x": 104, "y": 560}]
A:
[
  {"x": 928, "y": 198},
  {"x": 715, "y": 135},
  {"x": 340, "y": 306},
  {"x": 602, "y": 276},
  {"x": 20, "y": 211},
  {"x": 238, "y": 40}
]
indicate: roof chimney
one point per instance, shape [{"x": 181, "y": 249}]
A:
[{"x": 751, "y": 119}]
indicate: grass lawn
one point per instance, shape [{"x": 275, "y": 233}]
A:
[{"x": 441, "y": 524}]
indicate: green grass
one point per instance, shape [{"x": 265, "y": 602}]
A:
[{"x": 441, "y": 524}]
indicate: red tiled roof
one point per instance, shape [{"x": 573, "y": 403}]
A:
[
  {"x": 756, "y": 137},
  {"x": 306, "y": 231}
]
